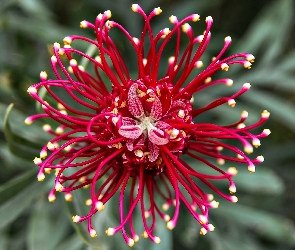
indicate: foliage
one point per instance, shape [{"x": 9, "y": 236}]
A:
[{"x": 264, "y": 218}]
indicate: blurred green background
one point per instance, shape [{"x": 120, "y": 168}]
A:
[{"x": 264, "y": 216}]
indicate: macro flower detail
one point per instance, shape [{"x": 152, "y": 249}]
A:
[{"x": 131, "y": 139}]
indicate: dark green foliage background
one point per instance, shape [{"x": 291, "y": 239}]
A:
[{"x": 264, "y": 216}]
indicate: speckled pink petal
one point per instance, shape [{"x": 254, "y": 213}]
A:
[
  {"x": 157, "y": 137},
  {"x": 129, "y": 145},
  {"x": 128, "y": 121},
  {"x": 156, "y": 111},
  {"x": 134, "y": 104},
  {"x": 130, "y": 131},
  {"x": 163, "y": 125},
  {"x": 154, "y": 151}
]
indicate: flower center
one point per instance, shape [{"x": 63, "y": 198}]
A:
[{"x": 149, "y": 119}]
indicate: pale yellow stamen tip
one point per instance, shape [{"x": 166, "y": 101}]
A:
[
  {"x": 220, "y": 161},
  {"x": 135, "y": 40},
  {"x": 251, "y": 169},
  {"x": 232, "y": 189},
  {"x": 181, "y": 113},
  {"x": 210, "y": 197},
  {"x": 134, "y": 7},
  {"x": 56, "y": 45},
  {"x": 247, "y": 65},
  {"x": 247, "y": 85},
  {"x": 229, "y": 82},
  {"x": 144, "y": 235},
  {"x": 211, "y": 227},
  {"x": 157, "y": 240},
  {"x": 110, "y": 231},
  {"x": 208, "y": 79},
  {"x": 108, "y": 14},
  {"x": 88, "y": 202},
  {"x": 224, "y": 66},
  {"x": 73, "y": 63},
  {"x": 209, "y": 19},
  {"x": 173, "y": 19},
  {"x": 166, "y": 217},
  {"x": 228, "y": 39},
  {"x": 231, "y": 103},
  {"x": 41, "y": 177},
  {"x": 50, "y": 145},
  {"x": 260, "y": 158},
  {"x": 250, "y": 58},
  {"x": 234, "y": 199},
  {"x": 58, "y": 187},
  {"x": 170, "y": 225},
  {"x": 76, "y": 218},
  {"x": 165, "y": 207},
  {"x": 157, "y": 11},
  {"x": 203, "y": 231},
  {"x": 43, "y": 75},
  {"x": 203, "y": 219},
  {"x": 199, "y": 64},
  {"x": 98, "y": 59},
  {"x": 37, "y": 161},
  {"x": 256, "y": 142},
  {"x": 266, "y": 131},
  {"x": 32, "y": 90},
  {"x": 28, "y": 121},
  {"x": 93, "y": 233},
  {"x": 214, "y": 204},
  {"x": 186, "y": 27},
  {"x": 241, "y": 125},
  {"x": 68, "y": 197},
  {"x": 136, "y": 238},
  {"x": 81, "y": 68},
  {"x": 265, "y": 114},
  {"x": 51, "y": 198},
  {"x": 144, "y": 61},
  {"x": 248, "y": 149},
  {"x": 83, "y": 24},
  {"x": 146, "y": 214},
  {"x": 99, "y": 206},
  {"x": 232, "y": 171},
  {"x": 46, "y": 127},
  {"x": 54, "y": 59},
  {"x": 131, "y": 243},
  {"x": 43, "y": 154},
  {"x": 196, "y": 18}
]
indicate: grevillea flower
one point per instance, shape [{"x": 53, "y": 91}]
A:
[{"x": 130, "y": 140}]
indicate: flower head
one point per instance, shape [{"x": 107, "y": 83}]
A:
[{"x": 131, "y": 139}]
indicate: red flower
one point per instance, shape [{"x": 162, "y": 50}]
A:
[{"x": 129, "y": 140}]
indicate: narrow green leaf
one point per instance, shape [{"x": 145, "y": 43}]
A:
[
  {"x": 12, "y": 208},
  {"x": 73, "y": 243},
  {"x": 3, "y": 239},
  {"x": 18, "y": 145},
  {"x": 268, "y": 225},
  {"x": 259, "y": 182},
  {"x": 15, "y": 186},
  {"x": 48, "y": 226}
]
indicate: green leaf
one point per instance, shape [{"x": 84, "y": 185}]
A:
[
  {"x": 18, "y": 145},
  {"x": 259, "y": 182},
  {"x": 15, "y": 186},
  {"x": 268, "y": 225},
  {"x": 3, "y": 239},
  {"x": 277, "y": 106},
  {"x": 46, "y": 228},
  {"x": 73, "y": 243},
  {"x": 12, "y": 208}
]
